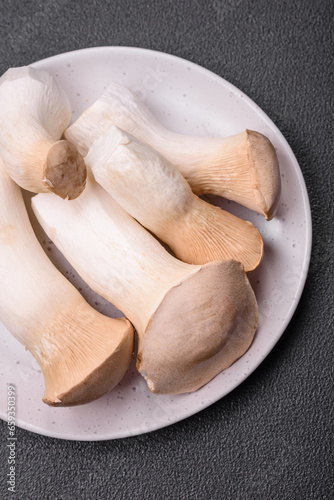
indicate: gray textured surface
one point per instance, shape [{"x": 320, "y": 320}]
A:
[{"x": 272, "y": 438}]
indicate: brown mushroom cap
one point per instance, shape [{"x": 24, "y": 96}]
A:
[
  {"x": 81, "y": 361},
  {"x": 202, "y": 326},
  {"x": 266, "y": 180}
]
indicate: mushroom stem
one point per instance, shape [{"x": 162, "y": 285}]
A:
[
  {"x": 82, "y": 353},
  {"x": 34, "y": 113},
  {"x": 120, "y": 260},
  {"x": 243, "y": 168},
  {"x": 156, "y": 194},
  {"x": 64, "y": 167},
  {"x": 192, "y": 321}
]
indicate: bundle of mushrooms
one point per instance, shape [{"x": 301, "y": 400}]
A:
[{"x": 111, "y": 185}]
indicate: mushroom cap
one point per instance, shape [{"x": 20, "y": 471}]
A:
[
  {"x": 202, "y": 326},
  {"x": 265, "y": 172},
  {"x": 84, "y": 357},
  {"x": 34, "y": 112}
]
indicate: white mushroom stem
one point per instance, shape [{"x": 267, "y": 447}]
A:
[
  {"x": 34, "y": 112},
  {"x": 243, "y": 168},
  {"x": 156, "y": 194},
  {"x": 82, "y": 353},
  {"x": 192, "y": 321}
]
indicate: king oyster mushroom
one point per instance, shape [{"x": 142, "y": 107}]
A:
[
  {"x": 193, "y": 321},
  {"x": 243, "y": 167},
  {"x": 156, "y": 194},
  {"x": 34, "y": 112},
  {"x": 82, "y": 353}
]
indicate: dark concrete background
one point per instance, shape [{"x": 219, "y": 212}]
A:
[{"x": 272, "y": 437}]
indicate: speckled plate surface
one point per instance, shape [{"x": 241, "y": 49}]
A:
[{"x": 187, "y": 99}]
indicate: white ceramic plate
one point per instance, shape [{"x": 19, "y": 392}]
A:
[{"x": 187, "y": 99}]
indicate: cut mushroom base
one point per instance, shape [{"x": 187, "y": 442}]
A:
[
  {"x": 192, "y": 321},
  {"x": 243, "y": 168},
  {"x": 82, "y": 353},
  {"x": 34, "y": 112},
  {"x": 156, "y": 194}
]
